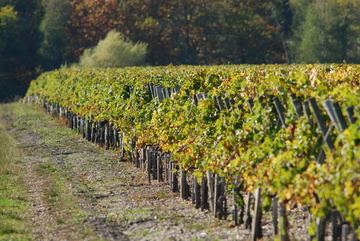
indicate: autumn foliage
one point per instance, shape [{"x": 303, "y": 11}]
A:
[{"x": 181, "y": 32}]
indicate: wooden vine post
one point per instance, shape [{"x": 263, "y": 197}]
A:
[
  {"x": 216, "y": 195},
  {"x": 210, "y": 185},
  {"x": 204, "y": 193},
  {"x": 256, "y": 222},
  {"x": 336, "y": 221},
  {"x": 222, "y": 199},
  {"x": 196, "y": 192},
  {"x": 237, "y": 217},
  {"x": 159, "y": 167},
  {"x": 184, "y": 187},
  {"x": 174, "y": 178},
  {"x": 275, "y": 215},
  {"x": 248, "y": 218},
  {"x": 148, "y": 164},
  {"x": 283, "y": 223}
]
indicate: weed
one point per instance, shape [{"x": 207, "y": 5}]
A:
[
  {"x": 47, "y": 166},
  {"x": 61, "y": 221},
  {"x": 160, "y": 195}
]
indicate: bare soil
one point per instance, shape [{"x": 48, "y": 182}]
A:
[{"x": 101, "y": 198}]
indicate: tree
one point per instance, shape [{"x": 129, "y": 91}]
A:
[
  {"x": 114, "y": 52},
  {"x": 55, "y": 41},
  {"x": 89, "y": 22},
  {"x": 8, "y": 25},
  {"x": 183, "y": 32},
  {"x": 326, "y": 31},
  {"x": 20, "y": 40},
  {"x": 247, "y": 32}
]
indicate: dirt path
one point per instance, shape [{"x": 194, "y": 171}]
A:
[{"x": 78, "y": 191}]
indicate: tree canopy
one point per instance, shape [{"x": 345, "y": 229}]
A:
[
  {"x": 19, "y": 42},
  {"x": 38, "y": 35}
]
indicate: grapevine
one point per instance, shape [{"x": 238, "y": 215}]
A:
[{"x": 245, "y": 137}]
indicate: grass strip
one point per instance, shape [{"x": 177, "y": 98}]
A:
[
  {"x": 64, "y": 209},
  {"x": 13, "y": 194}
]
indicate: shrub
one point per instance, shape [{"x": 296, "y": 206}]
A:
[{"x": 114, "y": 52}]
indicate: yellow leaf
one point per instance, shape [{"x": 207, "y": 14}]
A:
[
  {"x": 287, "y": 194},
  {"x": 349, "y": 188}
]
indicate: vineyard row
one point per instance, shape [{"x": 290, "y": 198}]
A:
[{"x": 277, "y": 145}]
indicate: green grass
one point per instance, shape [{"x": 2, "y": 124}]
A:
[
  {"x": 15, "y": 206},
  {"x": 13, "y": 194}
]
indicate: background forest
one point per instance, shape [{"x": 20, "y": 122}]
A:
[{"x": 42, "y": 35}]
